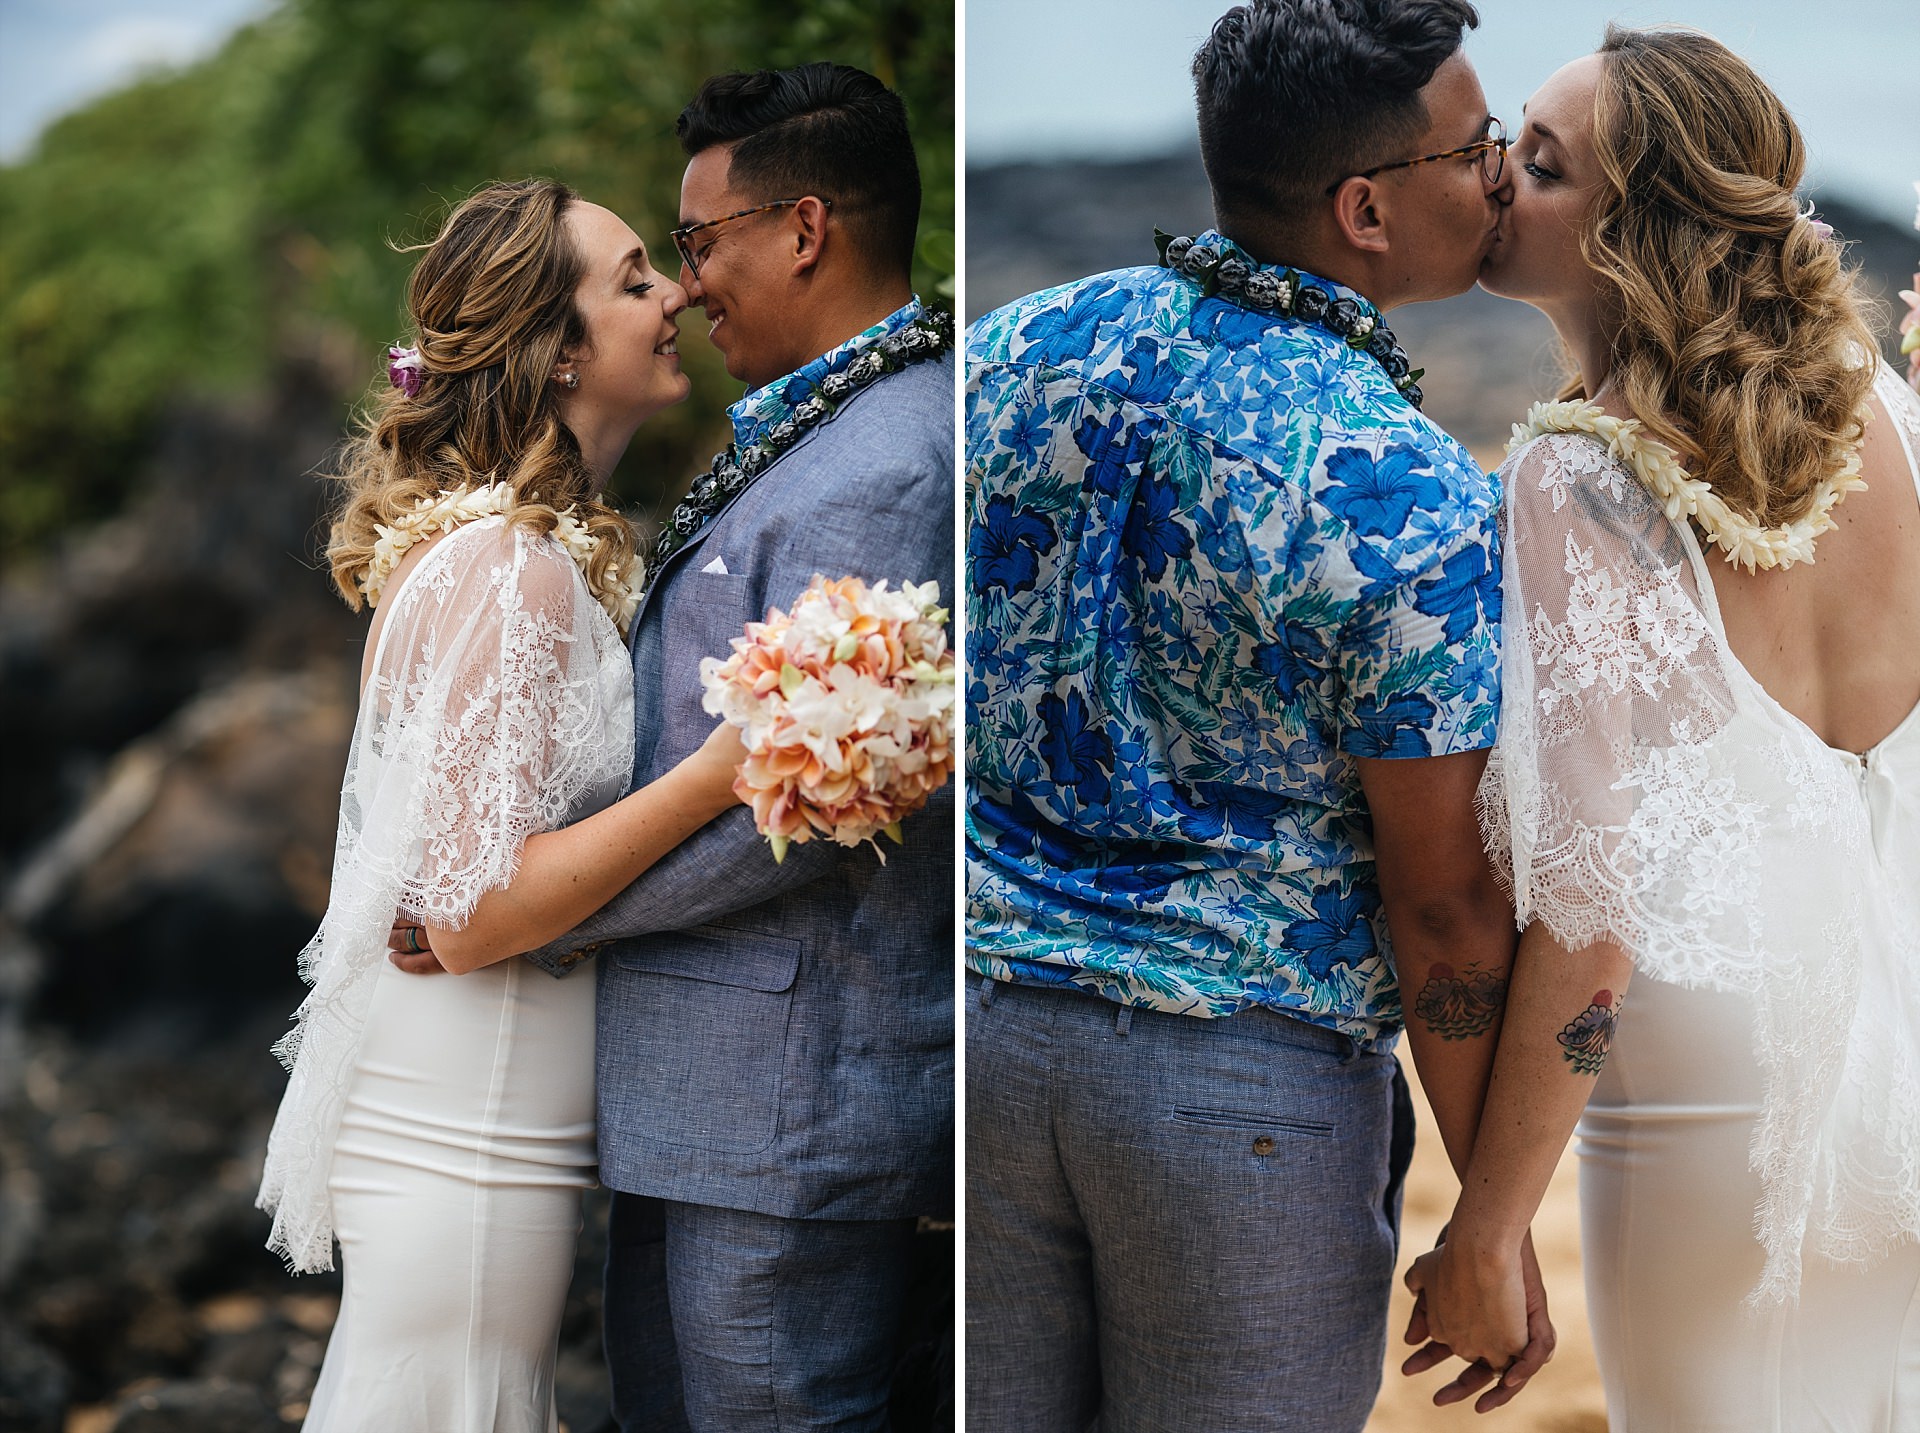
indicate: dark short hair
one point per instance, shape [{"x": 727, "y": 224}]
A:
[
  {"x": 1294, "y": 95},
  {"x": 827, "y": 130}
]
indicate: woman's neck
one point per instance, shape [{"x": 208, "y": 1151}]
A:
[
  {"x": 601, "y": 452},
  {"x": 1587, "y": 342}
]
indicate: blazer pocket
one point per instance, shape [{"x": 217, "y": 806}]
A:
[
  {"x": 705, "y": 610},
  {"x": 693, "y": 1033},
  {"x": 745, "y": 960}
]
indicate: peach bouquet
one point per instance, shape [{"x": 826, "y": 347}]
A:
[{"x": 845, "y": 707}]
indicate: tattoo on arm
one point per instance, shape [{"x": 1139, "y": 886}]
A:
[
  {"x": 1460, "y": 1006},
  {"x": 1589, "y": 1036}
]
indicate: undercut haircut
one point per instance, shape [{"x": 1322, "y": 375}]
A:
[
  {"x": 827, "y": 130},
  {"x": 1296, "y": 95}
]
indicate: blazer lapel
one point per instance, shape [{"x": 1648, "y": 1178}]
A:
[{"x": 680, "y": 553}]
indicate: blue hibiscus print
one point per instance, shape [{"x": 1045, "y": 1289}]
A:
[
  {"x": 1377, "y": 568},
  {"x": 1249, "y": 814},
  {"x": 1170, "y": 632},
  {"x": 1375, "y": 495},
  {"x": 1466, "y": 586},
  {"x": 1005, "y": 546},
  {"x": 1221, "y": 539},
  {"x": 1477, "y": 672},
  {"x": 1032, "y": 431},
  {"x": 1143, "y": 880},
  {"x": 1244, "y": 508},
  {"x": 1154, "y": 533},
  {"x": 1022, "y": 830},
  {"x": 1077, "y": 754},
  {"x": 1071, "y": 328},
  {"x": 1295, "y": 659},
  {"x": 1114, "y": 450},
  {"x": 1338, "y": 932},
  {"x": 1248, "y": 727},
  {"x": 1395, "y": 727},
  {"x": 1151, "y": 378}
]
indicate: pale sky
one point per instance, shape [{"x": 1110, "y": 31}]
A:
[
  {"x": 1108, "y": 78},
  {"x": 1050, "y": 79},
  {"x": 55, "y": 55}
]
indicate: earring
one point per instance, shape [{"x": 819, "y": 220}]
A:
[{"x": 571, "y": 379}]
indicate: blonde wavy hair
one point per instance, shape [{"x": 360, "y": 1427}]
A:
[
  {"x": 1741, "y": 341},
  {"x": 491, "y": 301}
]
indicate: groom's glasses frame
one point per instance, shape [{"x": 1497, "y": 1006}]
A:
[
  {"x": 1491, "y": 147},
  {"x": 682, "y": 235}
]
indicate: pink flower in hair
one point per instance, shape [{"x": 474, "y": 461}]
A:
[{"x": 404, "y": 368}]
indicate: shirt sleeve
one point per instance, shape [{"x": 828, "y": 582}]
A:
[{"x": 1419, "y": 659}]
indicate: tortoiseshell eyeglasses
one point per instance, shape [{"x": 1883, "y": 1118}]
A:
[
  {"x": 682, "y": 235},
  {"x": 1491, "y": 147}
]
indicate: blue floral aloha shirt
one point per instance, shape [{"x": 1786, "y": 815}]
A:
[
  {"x": 772, "y": 404},
  {"x": 1211, "y": 555}
]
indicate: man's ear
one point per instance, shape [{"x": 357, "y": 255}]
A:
[
  {"x": 807, "y": 232},
  {"x": 1360, "y": 214}
]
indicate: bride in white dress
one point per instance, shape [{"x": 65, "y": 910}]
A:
[
  {"x": 442, "y": 1129},
  {"x": 1708, "y": 777}
]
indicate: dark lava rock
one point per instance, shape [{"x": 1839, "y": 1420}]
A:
[
  {"x": 210, "y": 1405},
  {"x": 922, "y": 1399},
  {"x": 211, "y": 568},
  {"x": 34, "y": 1386},
  {"x": 180, "y": 893}
]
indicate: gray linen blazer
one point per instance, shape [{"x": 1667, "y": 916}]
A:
[{"x": 779, "y": 1038}]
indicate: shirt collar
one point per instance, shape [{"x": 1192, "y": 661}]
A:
[{"x": 774, "y": 403}]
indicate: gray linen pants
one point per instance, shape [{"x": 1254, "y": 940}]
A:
[{"x": 1174, "y": 1224}]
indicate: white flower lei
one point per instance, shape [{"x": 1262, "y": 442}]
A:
[
  {"x": 1741, "y": 539},
  {"x": 443, "y": 514}
]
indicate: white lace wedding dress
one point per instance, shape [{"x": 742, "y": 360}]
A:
[
  {"x": 1750, "y": 1160},
  {"x": 442, "y": 1127}
]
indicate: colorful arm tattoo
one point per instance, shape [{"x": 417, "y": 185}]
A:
[
  {"x": 1589, "y": 1036},
  {"x": 1459, "y": 1007}
]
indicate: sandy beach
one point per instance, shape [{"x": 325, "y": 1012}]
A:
[{"x": 1565, "y": 1396}]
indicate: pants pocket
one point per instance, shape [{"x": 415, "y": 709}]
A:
[{"x": 1246, "y": 1119}]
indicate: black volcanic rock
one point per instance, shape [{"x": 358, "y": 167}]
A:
[
  {"x": 204, "y": 845},
  {"x": 34, "y": 1386},
  {"x": 212, "y": 568},
  {"x": 210, "y": 1405}
]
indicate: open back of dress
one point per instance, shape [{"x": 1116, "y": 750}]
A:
[{"x": 1751, "y": 1156}]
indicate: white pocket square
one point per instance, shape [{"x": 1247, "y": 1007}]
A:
[{"x": 717, "y": 565}]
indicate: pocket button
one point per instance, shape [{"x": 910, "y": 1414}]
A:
[{"x": 1263, "y": 1144}]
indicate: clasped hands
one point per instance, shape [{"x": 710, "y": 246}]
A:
[{"x": 1484, "y": 1303}]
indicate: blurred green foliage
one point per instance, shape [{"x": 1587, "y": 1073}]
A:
[{"x": 193, "y": 234}]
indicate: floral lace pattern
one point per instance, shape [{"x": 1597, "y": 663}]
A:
[
  {"x": 1646, "y": 791},
  {"x": 500, "y": 704}
]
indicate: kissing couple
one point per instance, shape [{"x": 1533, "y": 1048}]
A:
[
  {"x": 1290, "y": 729},
  {"x": 755, "y": 1056}
]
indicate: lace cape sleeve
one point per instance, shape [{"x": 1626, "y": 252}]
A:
[
  {"x": 499, "y": 705},
  {"x": 1603, "y": 805},
  {"x": 1644, "y": 790}
]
